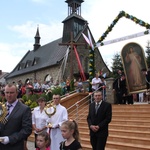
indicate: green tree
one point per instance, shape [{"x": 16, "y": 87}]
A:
[{"x": 116, "y": 65}]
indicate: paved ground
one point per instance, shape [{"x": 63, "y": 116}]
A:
[{"x": 30, "y": 145}]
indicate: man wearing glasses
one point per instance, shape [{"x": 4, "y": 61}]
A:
[
  {"x": 99, "y": 116},
  {"x": 56, "y": 120}
]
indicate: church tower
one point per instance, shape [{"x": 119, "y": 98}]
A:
[{"x": 74, "y": 22}]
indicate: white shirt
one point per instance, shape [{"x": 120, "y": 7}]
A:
[
  {"x": 96, "y": 82},
  {"x": 36, "y": 86},
  {"x": 12, "y": 106},
  {"x": 39, "y": 118},
  {"x": 45, "y": 86}
]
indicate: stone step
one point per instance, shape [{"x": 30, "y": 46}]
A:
[
  {"x": 131, "y": 117},
  {"x": 126, "y": 146},
  {"x": 128, "y": 130},
  {"x": 123, "y": 134},
  {"x": 122, "y": 143},
  {"x": 138, "y": 133},
  {"x": 130, "y": 127},
  {"x": 129, "y": 139},
  {"x": 127, "y": 127},
  {"x": 130, "y": 122},
  {"x": 86, "y": 140},
  {"x": 131, "y": 113},
  {"x": 106, "y": 148},
  {"x": 121, "y": 122},
  {"x": 127, "y": 107},
  {"x": 86, "y": 147}
]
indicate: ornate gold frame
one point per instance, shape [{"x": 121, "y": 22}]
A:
[
  {"x": 3, "y": 113},
  {"x": 50, "y": 105}
]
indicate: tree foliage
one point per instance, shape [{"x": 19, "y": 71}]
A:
[{"x": 116, "y": 65}]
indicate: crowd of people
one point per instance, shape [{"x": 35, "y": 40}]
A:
[
  {"x": 120, "y": 90},
  {"x": 19, "y": 123},
  {"x": 52, "y": 127},
  {"x": 122, "y": 94},
  {"x": 38, "y": 87}
]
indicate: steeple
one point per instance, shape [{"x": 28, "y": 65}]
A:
[
  {"x": 37, "y": 40},
  {"x": 74, "y": 22}
]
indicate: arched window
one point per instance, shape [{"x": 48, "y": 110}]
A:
[{"x": 47, "y": 78}]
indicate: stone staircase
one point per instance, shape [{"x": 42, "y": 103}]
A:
[{"x": 128, "y": 130}]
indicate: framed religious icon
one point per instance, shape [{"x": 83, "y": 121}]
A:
[{"x": 134, "y": 61}]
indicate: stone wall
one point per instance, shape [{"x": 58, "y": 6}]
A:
[
  {"x": 39, "y": 75},
  {"x": 110, "y": 96}
]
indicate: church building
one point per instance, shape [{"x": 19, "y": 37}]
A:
[{"x": 57, "y": 59}]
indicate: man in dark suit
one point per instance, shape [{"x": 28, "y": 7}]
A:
[
  {"x": 121, "y": 89},
  {"x": 116, "y": 87},
  {"x": 19, "y": 123},
  {"x": 147, "y": 79},
  {"x": 99, "y": 116}
]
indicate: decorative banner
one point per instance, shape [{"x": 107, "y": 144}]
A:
[
  {"x": 121, "y": 14},
  {"x": 91, "y": 64},
  {"x": 123, "y": 38},
  {"x": 100, "y": 43},
  {"x": 91, "y": 56}
]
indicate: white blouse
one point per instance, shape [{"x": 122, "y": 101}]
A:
[{"x": 39, "y": 118}]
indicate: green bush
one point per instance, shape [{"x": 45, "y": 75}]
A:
[
  {"x": 56, "y": 90},
  {"x": 33, "y": 105},
  {"x": 2, "y": 99},
  {"x": 24, "y": 97}
]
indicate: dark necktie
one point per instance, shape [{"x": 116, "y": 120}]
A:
[
  {"x": 8, "y": 110},
  {"x": 96, "y": 108}
]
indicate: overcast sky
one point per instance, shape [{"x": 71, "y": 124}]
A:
[{"x": 20, "y": 18}]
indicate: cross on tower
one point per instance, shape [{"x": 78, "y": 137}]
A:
[{"x": 71, "y": 44}]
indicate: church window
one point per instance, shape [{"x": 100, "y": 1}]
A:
[
  {"x": 21, "y": 65},
  {"x": 28, "y": 63},
  {"x": 35, "y": 61},
  {"x": 19, "y": 68},
  {"x": 47, "y": 78}
]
